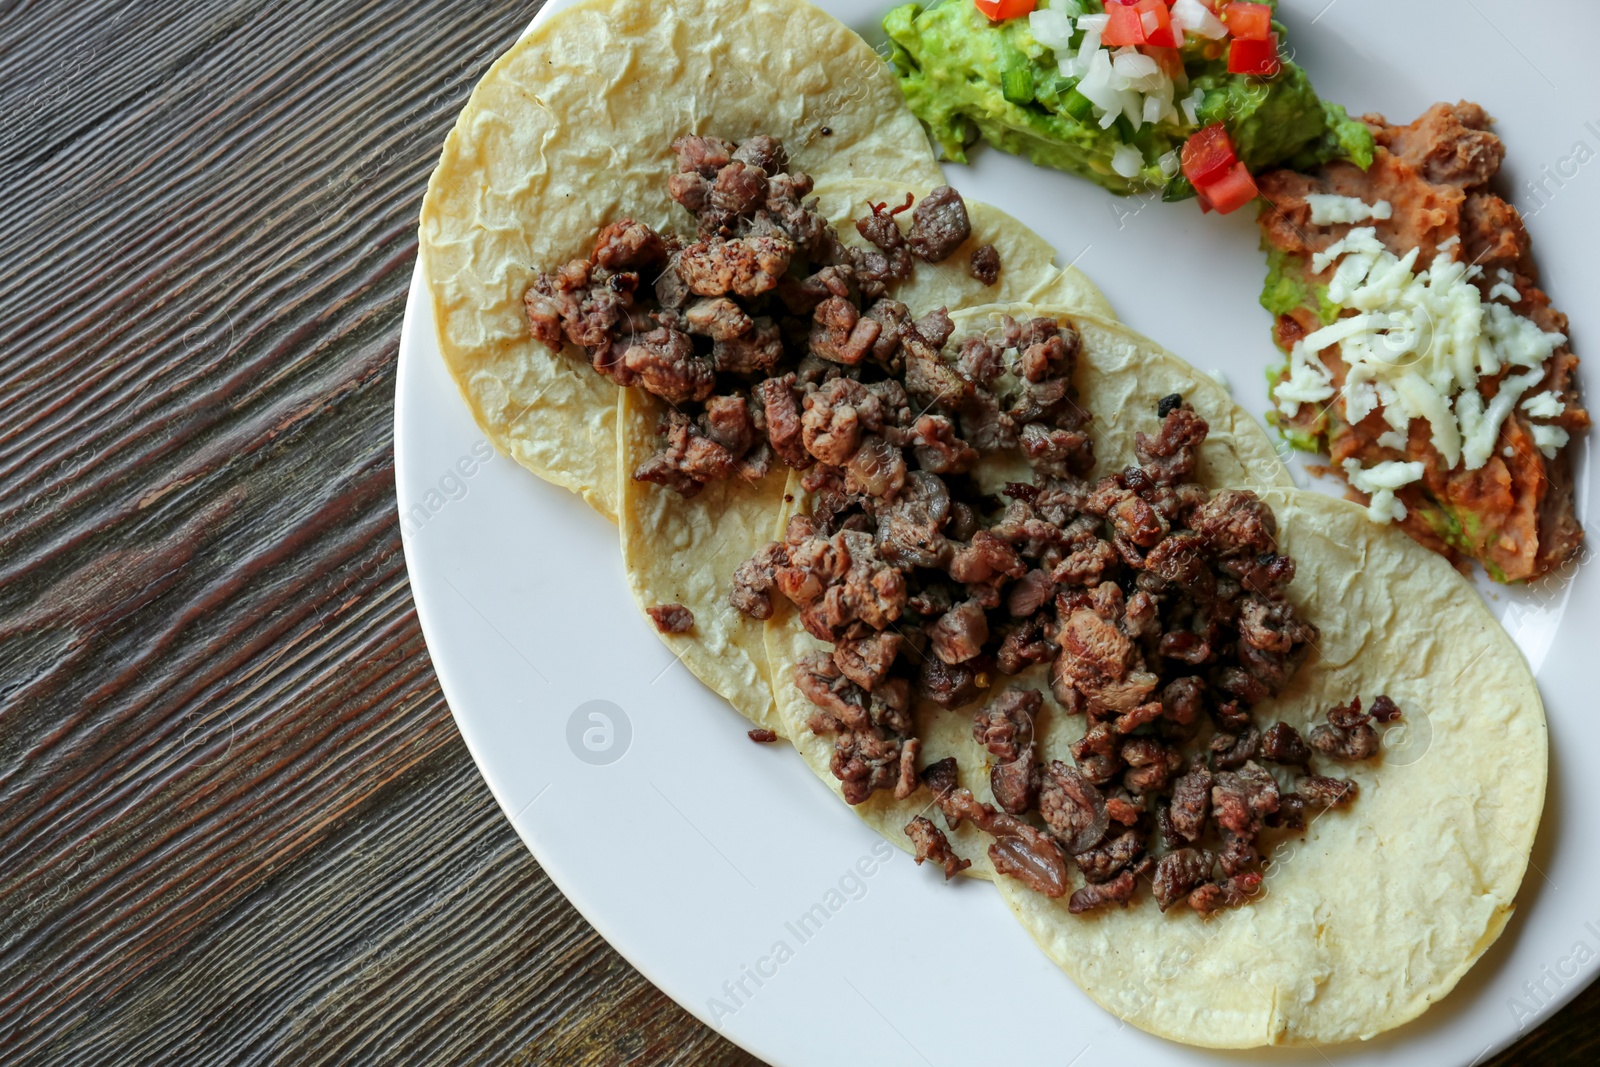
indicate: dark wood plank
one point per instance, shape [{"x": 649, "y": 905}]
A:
[{"x": 236, "y": 821}]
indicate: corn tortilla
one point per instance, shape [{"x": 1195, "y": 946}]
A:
[{"x": 571, "y": 129}]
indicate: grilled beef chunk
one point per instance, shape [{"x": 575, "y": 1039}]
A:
[
  {"x": 1177, "y": 874},
  {"x": 1019, "y": 851},
  {"x": 985, "y": 265},
  {"x": 671, "y": 618},
  {"x": 1118, "y": 890},
  {"x": 939, "y": 225},
  {"x": 1319, "y": 791},
  {"x": 931, "y": 844},
  {"x": 1282, "y": 744},
  {"x": 1348, "y": 733}
]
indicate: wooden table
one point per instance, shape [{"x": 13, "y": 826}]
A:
[{"x": 238, "y": 824}]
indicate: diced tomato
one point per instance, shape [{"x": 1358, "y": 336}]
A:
[
  {"x": 1248, "y": 22},
  {"x": 1125, "y": 28},
  {"x": 1229, "y": 193},
  {"x": 1254, "y": 57},
  {"x": 1208, "y": 155},
  {"x": 1156, "y": 20},
  {"x": 1000, "y": 10},
  {"x": 1212, "y": 167}
]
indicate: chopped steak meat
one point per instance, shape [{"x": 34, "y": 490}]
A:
[
  {"x": 754, "y": 306},
  {"x": 1071, "y": 807},
  {"x": 939, "y": 225},
  {"x": 1319, "y": 791},
  {"x": 761, "y": 736},
  {"x": 985, "y": 265},
  {"x": 1019, "y": 851},
  {"x": 931, "y": 844},
  {"x": 1005, "y": 726},
  {"x": 1282, "y": 744},
  {"x": 1191, "y": 803},
  {"x": 754, "y": 579},
  {"x": 663, "y": 362},
  {"x": 1178, "y": 873},
  {"x": 1160, "y": 608},
  {"x": 1241, "y": 799},
  {"x": 1103, "y": 862},
  {"x": 671, "y": 618},
  {"x": 1348, "y": 733},
  {"x": 1118, "y": 890}
]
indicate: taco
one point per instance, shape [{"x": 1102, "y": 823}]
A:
[
  {"x": 1115, "y": 374},
  {"x": 1116, "y": 696},
  {"x": 552, "y": 146},
  {"x": 1379, "y": 907}
]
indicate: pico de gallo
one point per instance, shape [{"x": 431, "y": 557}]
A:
[{"x": 1189, "y": 98}]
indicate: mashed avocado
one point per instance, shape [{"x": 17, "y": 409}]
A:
[
  {"x": 969, "y": 78},
  {"x": 1286, "y": 287}
]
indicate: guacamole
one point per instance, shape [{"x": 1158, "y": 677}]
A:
[{"x": 968, "y": 78}]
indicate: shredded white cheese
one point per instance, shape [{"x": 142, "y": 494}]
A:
[
  {"x": 1543, "y": 405},
  {"x": 1394, "y": 439},
  {"x": 1309, "y": 382},
  {"x": 1328, "y": 209},
  {"x": 1549, "y": 439},
  {"x": 1417, "y": 346},
  {"x": 1380, "y": 482}
]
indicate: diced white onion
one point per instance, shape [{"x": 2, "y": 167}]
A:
[
  {"x": 1135, "y": 66},
  {"x": 1168, "y": 162},
  {"x": 1133, "y": 107},
  {"x": 1198, "y": 20},
  {"x": 1127, "y": 161},
  {"x": 1051, "y": 28}
]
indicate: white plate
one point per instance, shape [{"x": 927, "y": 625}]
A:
[{"x": 695, "y": 852}]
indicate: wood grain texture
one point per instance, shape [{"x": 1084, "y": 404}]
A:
[{"x": 236, "y": 822}]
